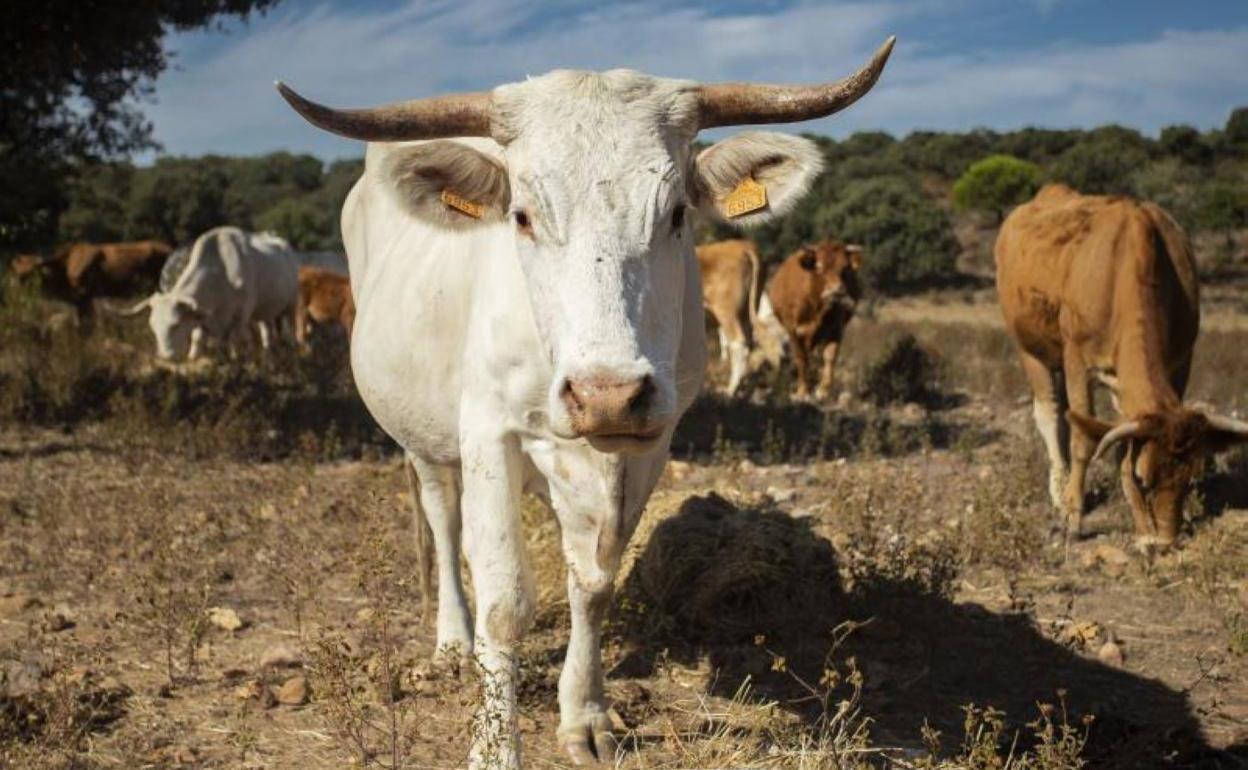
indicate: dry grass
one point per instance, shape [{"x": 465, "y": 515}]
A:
[{"x": 131, "y": 499}]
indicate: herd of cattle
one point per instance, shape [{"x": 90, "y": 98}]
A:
[
  {"x": 229, "y": 286},
  {"x": 526, "y": 312}
]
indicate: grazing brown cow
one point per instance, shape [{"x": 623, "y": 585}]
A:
[
  {"x": 1103, "y": 290},
  {"x": 324, "y": 297},
  {"x": 80, "y": 272},
  {"x": 730, "y": 293},
  {"x": 813, "y": 295}
]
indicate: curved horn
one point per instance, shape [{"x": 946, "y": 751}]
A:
[
  {"x": 135, "y": 309},
  {"x": 1124, "y": 431},
  {"x": 735, "y": 104},
  {"x": 434, "y": 118},
  {"x": 1228, "y": 425}
]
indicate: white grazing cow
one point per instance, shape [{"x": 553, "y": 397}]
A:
[
  {"x": 234, "y": 283},
  {"x": 530, "y": 318}
]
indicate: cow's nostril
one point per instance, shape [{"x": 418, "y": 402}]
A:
[
  {"x": 643, "y": 395},
  {"x": 571, "y": 398}
]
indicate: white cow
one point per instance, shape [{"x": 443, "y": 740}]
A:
[
  {"x": 234, "y": 284},
  {"x": 530, "y": 318}
]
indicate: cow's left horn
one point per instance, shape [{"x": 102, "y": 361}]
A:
[
  {"x": 1228, "y": 425},
  {"x": 737, "y": 104},
  {"x": 434, "y": 118}
]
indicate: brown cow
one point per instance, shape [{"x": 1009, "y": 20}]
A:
[
  {"x": 80, "y": 272},
  {"x": 1103, "y": 290},
  {"x": 324, "y": 297},
  {"x": 813, "y": 295},
  {"x": 730, "y": 293}
]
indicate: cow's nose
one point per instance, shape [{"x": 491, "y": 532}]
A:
[{"x": 602, "y": 406}]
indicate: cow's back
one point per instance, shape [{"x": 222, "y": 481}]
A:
[
  {"x": 793, "y": 295},
  {"x": 1071, "y": 268},
  {"x": 727, "y": 269}
]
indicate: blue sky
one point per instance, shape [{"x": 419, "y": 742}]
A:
[{"x": 958, "y": 64}]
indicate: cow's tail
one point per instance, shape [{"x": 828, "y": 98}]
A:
[
  {"x": 425, "y": 557},
  {"x": 756, "y": 269}
]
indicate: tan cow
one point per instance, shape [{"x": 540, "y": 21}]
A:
[
  {"x": 324, "y": 297},
  {"x": 1103, "y": 290},
  {"x": 813, "y": 295},
  {"x": 730, "y": 271},
  {"x": 80, "y": 272}
]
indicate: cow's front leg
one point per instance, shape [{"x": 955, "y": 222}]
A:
[
  {"x": 584, "y": 727},
  {"x": 824, "y": 389},
  {"x": 504, "y": 592}
]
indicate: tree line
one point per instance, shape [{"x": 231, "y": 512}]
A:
[{"x": 900, "y": 198}]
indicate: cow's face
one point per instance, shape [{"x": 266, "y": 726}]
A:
[
  {"x": 601, "y": 217},
  {"x": 833, "y": 268},
  {"x": 172, "y": 320},
  {"x": 1165, "y": 453}
]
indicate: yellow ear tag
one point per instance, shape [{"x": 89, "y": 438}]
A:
[
  {"x": 462, "y": 204},
  {"x": 748, "y": 196}
]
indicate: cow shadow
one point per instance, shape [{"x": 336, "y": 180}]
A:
[
  {"x": 771, "y": 433},
  {"x": 1225, "y": 485},
  {"x": 737, "y": 587}
]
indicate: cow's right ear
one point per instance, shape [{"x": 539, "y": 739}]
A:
[{"x": 447, "y": 184}]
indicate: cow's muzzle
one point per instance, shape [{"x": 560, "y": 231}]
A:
[{"x": 613, "y": 414}]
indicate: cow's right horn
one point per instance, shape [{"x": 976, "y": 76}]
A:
[
  {"x": 1120, "y": 433},
  {"x": 434, "y": 118}
]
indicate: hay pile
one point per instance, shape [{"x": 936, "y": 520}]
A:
[{"x": 713, "y": 572}]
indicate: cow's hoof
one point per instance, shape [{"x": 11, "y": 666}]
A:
[
  {"x": 1150, "y": 545},
  {"x": 590, "y": 743}
]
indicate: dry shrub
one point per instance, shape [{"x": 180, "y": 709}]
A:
[
  {"x": 903, "y": 372},
  {"x": 51, "y": 702},
  {"x": 716, "y": 572}
]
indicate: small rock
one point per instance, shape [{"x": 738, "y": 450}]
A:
[
  {"x": 268, "y": 511},
  {"x": 20, "y": 677},
  {"x": 61, "y": 618},
  {"x": 280, "y": 656},
  {"x": 1113, "y": 560},
  {"x": 225, "y": 619},
  {"x": 255, "y": 690},
  {"x": 294, "y": 692},
  {"x": 1110, "y": 653},
  {"x": 913, "y": 412},
  {"x": 844, "y": 400}
]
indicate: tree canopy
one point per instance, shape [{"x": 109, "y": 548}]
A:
[
  {"x": 996, "y": 183},
  {"x": 70, "y": 79}
]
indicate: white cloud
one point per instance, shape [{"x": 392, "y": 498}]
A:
[{"x": 222, "y": 98}]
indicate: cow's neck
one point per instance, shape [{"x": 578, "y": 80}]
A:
[{"x": 1140, "y": 359}]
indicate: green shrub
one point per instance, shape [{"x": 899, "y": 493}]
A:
[{"x": 996, "y": 183}]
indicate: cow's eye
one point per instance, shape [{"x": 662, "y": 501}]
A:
[
  {"x": 522, "y": 221},
  {"x": 678, "y": 216}
]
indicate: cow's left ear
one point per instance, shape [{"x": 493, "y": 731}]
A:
[
  {"x": 754, "y": 177},
  {"x": 854, "y": 251}
]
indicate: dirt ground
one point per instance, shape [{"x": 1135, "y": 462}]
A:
[{"x": 167, "y": 608}]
